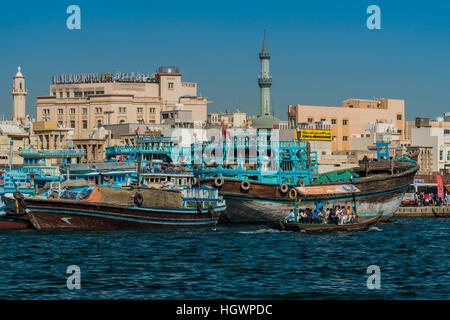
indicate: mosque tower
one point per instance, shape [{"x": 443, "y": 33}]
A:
[
  {"x": 265, "y": 79},
  {"x": 19, "y": 94}
]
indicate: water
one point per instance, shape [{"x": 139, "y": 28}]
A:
[{"x": 230, "y": 263}]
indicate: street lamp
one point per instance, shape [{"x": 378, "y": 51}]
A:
[{"x": 109, "y": 130}]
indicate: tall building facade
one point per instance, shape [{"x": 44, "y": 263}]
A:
[
  {"x": 86, "y": 102},
  {"x": 265, "y": 79},
  {"x": 349, "y": 121},
  {"x": 19, "y": 94}
]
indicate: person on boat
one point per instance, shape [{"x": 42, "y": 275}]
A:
[
  {"x": 326, "y": 219},
  {"x": 303, "y": 217},
  {"x": 315, "y": 217},
  {"x": 309, "y": 216},
  {"x": 319, "y": 206},
  {"x": 344, "y": 216},
  {"x": 290, "y": 216},
  {"x": 332, "y": 217},
  {"x": 320, "y": 216}
]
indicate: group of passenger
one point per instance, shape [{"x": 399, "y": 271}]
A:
[
  {"x": 320, "y": 215},
  {"x": 431, "y": 199}
]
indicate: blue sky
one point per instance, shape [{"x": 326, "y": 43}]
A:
[{"x": 322, "y": 51}]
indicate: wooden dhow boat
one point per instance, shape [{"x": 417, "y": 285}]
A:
[
  {"x": 348, "y": 227},
  {"x": 104, "y": 207},
  {"x": 380, "y": 187}
]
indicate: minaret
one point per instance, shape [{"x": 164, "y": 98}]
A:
[
  {"x": 264, "y": 80},
  {"x": 19, "y": 94}
]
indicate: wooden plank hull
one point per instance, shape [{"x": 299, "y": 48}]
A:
[
  {"x": 10, "y": 222},
  {"x": 72, "y": 214},
  {"x": 265, "y": 203},
  {"x": 350, "y": 227}
]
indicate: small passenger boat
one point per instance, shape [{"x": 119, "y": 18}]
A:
[{"x": 348, "y": 227}]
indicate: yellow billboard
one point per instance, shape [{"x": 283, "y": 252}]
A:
[{"x": 315, "y": 134}]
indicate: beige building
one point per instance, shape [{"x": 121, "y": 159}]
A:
[
  {"x": 50, "y": 136},
  {"x": 432, "y": 138},
  {"x": 349, "y": 120},
  {"x": 230, "y": 119},
  {"x": 84, "y": 102}
]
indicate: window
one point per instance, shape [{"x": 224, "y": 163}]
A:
[
  {"x": 88, "y": 93},
  {"x": 60, "y": 94},
  {"x": 122, "y": 121},
  {"x": 78, "y": 94},
  {"x": 350, "y": 106},
  {"x": 60, "y": 111},
  {"x": 67, "y": 94},
  {"x": 99, "y": 123},
  {"x": 170, "y": 85},
  {"x": 344, "y": 122},
  {"x": 446, "y": 131},
  {"x": 448, "y": 155},
  {"x": 98, "y": 110},
  {"x": 84, "y": 110},
  {"x": 84, "y": 124},
  {"x": 310, "y": 119},
  {"x": 333, "y": 121},
  {"x": 323, "y": 119},
  {"x": 99, "y": 92},
  {"x": 152, "y": 110},
  {"x": 123, "y": 109},
  {"x": 399, "y": 117},
  {"x": 399, "y": 131},
  {"x": 72, "y": 110},
  {"x": 441, "y": 155},
  {"x": 152, "y": 121},
  {"x": 139, "y": 110},
  {"x": 60, "y": 124},
  {"x": 54, "y": 94},
  {"x": 72, "y": 124},
  {"x": 344, "y": 138}
]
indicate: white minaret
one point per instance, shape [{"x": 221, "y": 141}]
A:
[{"x": 19, "y": 94}]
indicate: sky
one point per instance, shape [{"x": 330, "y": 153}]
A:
[{"x": 322, "y": 51}]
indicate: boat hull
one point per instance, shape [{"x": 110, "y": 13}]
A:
[
  {"x": 59, "y": 214},
  {"x": 9, "y": 222},
  {"x": 350, "y": 227},
  {"x": 264, "y": 203}
]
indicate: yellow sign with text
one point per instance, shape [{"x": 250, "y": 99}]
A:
[{"x": 314, "y": 134}]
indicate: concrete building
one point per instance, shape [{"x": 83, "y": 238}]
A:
[
  {"x": 19, "y": 94},
  {"x": 229, "y": 119},
  {"x": 177, "y": 118},
  {"x": 13, "y": 134},
  {"x": 433, "y": 140},
  {"x": 84, "y": 102},
  {"x": 350, "y": 119},
  {"x": 50, "y": 136}
]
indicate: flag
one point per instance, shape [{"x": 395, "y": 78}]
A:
[
  {"x": 440, "y": 186},
  {"x": 352, "y": 178},
  {"x": 137, "y": 131}
]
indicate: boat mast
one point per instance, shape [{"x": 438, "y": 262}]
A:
[{"x": 10, "y": 154}]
